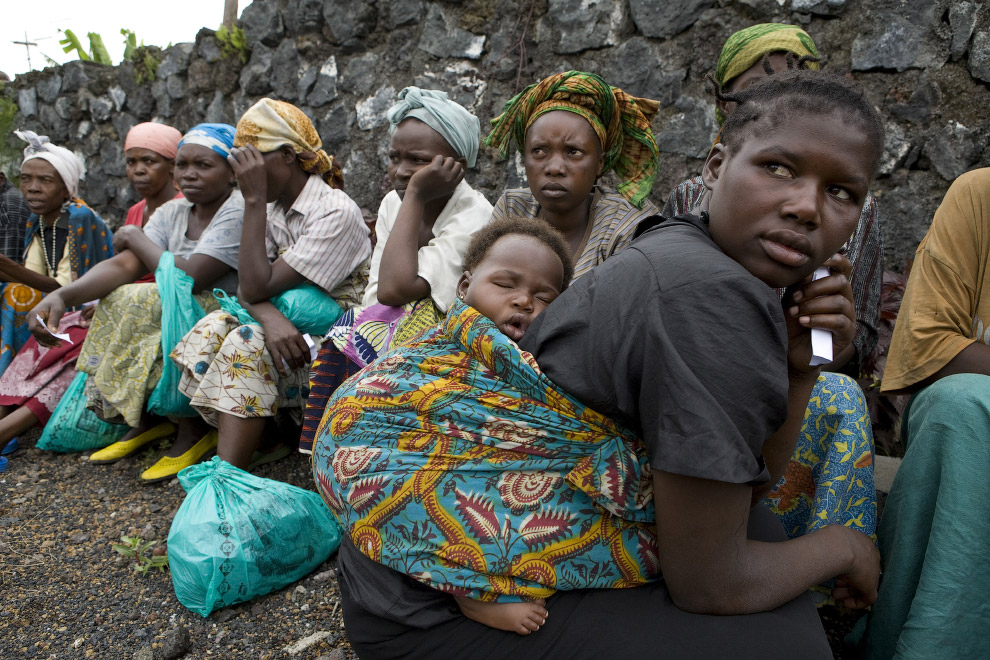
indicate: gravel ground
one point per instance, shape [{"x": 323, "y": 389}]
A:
[{"x": 67, "y": 594}]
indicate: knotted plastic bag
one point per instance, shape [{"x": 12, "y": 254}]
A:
[
  {"x": 308, "y": 307},
  {"x": 237, "y": 536},
  {"x": 73, "y": 427}
]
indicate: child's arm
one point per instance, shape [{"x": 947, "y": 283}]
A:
[{"x": 398, "y": 278}]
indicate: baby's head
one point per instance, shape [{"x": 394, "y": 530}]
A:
[
  {"x": 791, "y": 171},
  {"x": 513, "y": 269}
]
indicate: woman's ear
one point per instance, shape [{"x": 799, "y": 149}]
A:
[
  {"x": 714, "y": 165},
  {"x": 463, "y": 284},
  {"x": 288, "y": 154}
]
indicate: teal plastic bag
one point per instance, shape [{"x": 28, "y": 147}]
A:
[
  {"x": 308, "y": 307},
  {"x": 73, "y": 427},
  {"x": 237, "y": 536},
  {"x": 180, "y": 312}
]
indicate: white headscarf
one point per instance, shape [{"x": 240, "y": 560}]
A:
[{"x": 67, "y": 164}]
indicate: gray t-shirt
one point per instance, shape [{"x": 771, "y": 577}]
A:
[
  {"x": 221, "y": 239},
  {"x": 681, "y": 344}
]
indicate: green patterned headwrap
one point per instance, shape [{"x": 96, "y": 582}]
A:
[
  {"x": 745, "y": 48},
  {"x": 621, "y": 122}
]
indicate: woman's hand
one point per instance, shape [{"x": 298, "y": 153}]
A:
[
  {"x": 857, "y": 588},
  {"x": 123, "y": 237},
  {"x": 827, "y": 304},
  {"x": 51, "y": 309},
  {"x": 249, "y": 168},
  {"x": 286, "y": 343},
  {"x": 436, "y": 180}
]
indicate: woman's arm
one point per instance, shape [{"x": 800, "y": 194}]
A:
[
  {"x": 398, "y": 278},
  {"x": 203, "y": 269},
  {"x": 11, "y": 271},
  {"x": 282, "y": 339},
  {"x": 711, "y": 567},
  {"x": 100, "y": 280}
]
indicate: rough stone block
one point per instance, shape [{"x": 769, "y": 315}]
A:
[
  {"x": 583, "y": 24},
  {"x": 209, "y": 49},
  {"x": 303, "y": 16},
  {"x": 979, "y": 57},
  {"x": 359, "y": 74},
  {"x": 953, "y": 150},
  {"x": 962, "y": 20},
  {"x": 74, "y": 76},
  {"x": 689, "y": 132},
  {"x": 325, "y": 88},
  {"x": 256, "y": 75},
  {"x": 819, "y": 7},
  {"x": 118, "y": 96},
  {"x": 262, "y": 23},
  {"x": 100, "y": 108},
  {"x": 442, "y": 38},
  {"x": 402, "y": 12},
  {"x": 665, "y": 19},
  {"x": 48, "y": 88},
  {"x": 285, "y": 70},
  {"x": 27, "y": 102},
  {"x": 371, "y": 111},
  {"x": 350, "y": 19},
  {"x": 176, "y": 60}
]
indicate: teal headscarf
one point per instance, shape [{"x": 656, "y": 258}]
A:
[{"x": 450, "y": 119}]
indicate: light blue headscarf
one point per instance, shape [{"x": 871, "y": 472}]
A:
[
  {"x": 219, "y": 137},
  {"x": 459, "y": 128}
]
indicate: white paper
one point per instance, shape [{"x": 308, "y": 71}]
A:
[
  {"x": 313, "y": 350},
  {"x": 64, "y": 336},
  {"x": 821, "y": 339}
]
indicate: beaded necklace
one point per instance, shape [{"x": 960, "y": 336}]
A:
[{"x": 51, "y": 265}]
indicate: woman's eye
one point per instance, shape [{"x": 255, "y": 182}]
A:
[
  {"x": 503, "y": 285},
  {"x": 778, "y": 170},
  {"x": 839, "y": 192}
]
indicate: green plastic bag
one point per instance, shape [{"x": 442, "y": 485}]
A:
[
  {"x": 180, "y": 312},
  {"x": 73, "y": 427},
  {"x": 237, "y": 536},
  {"x": 308, "y": 307}
]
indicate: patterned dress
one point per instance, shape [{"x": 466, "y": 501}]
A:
[{"x": 454, "y": 460}]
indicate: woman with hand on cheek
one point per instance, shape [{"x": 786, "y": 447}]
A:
[
  {"x": 123, "y": 354},
  {"x": 424, "y": 226},
  {"x": 301, "y": 233}
]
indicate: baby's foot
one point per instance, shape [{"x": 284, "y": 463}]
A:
[{"x": 521, "y": 618}]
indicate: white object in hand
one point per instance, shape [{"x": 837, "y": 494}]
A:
[
  {"x": 821, "y": 339},
  {"x": 64, "y": 336},
  {"x": 313, "y": 350}
]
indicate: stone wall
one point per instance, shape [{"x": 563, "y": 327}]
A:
[{"x": 925, "y": 63}]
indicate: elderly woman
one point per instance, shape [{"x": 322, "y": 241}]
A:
[
  {"x": 830, "y": 476},
  {"x": 302, "y": 235},
  {"x": 424, "y": 227},
  {"x": 571, "y": 128},
  {"x": 65, "y": 238},
  {"x": 200, "y": 234}
]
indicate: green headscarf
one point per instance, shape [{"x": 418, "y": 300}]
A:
[{"x": 745, "y": 48}]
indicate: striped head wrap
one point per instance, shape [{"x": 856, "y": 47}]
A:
[
  {"x": 162, "y": 139},
  {"x": 66, "y": 163},
  {"x": 450, "y": 119},
  {"x": 745, "y": 48},
  {"x": 218, "y": 137},
  {"x": 621, "y": 122},
  {"x": 271, "y": 124}
]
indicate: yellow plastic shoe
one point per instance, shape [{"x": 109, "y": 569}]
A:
[
  {"x": 124, "y": 448},
  {"x": 169, "y": 466}
]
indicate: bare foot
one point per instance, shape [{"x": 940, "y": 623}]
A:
[{"x": 521, "y": 618}]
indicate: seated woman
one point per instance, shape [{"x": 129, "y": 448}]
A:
[
  {"x": 830, "y": 476},
  {"x": 460, "y": 472},
  {"x": 65, "y": 238},
  {"x": 123, "y": 352},
  {"x": 572, "y": 128},
  {"x": 934, "y": 531},
  {"x": 310, "y": 232},
  {"x": 423, "y": 228}
]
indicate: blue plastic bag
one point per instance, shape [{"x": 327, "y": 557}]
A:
[
  {"x": 308, "y": 307},
  {"x": 180, "y": 312},
  {"x": 237, "y": 536},
  {"x": 73, "y": 427}
]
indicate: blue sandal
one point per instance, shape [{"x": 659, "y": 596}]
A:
[{"x": 11, "y": 447}]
